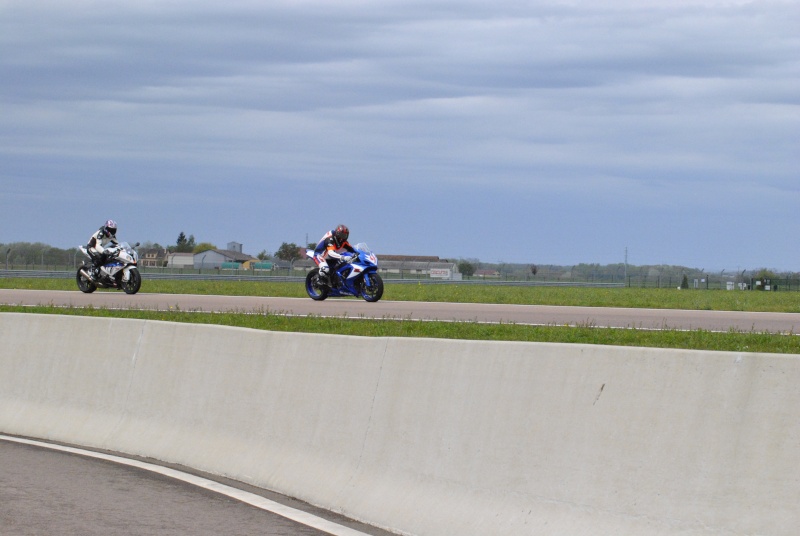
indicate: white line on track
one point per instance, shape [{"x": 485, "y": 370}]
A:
[{"x": 252, "y": 499}]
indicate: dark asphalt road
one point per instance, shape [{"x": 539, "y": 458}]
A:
[{"x": 46, "y": 492}]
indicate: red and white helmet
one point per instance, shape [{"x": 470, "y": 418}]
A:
[{"x": 340, "y": 234}]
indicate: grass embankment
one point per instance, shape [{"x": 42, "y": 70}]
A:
[{"x": 614, "y": 297}]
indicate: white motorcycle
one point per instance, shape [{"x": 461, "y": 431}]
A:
[{"x": 119, "y": 271}]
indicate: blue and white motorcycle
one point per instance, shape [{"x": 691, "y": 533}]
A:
[{"x": 358, "y": 276}]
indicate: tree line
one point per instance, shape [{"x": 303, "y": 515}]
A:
[
  {"x": 37, "y": 254},
  {"x": 288, "y": 251}
]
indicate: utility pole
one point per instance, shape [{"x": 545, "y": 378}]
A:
[{"x": 626, "y": 265}]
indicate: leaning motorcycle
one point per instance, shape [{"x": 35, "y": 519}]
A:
[
  {"x": 358, "y": 276},
  {"x": 119, "y": 272}
]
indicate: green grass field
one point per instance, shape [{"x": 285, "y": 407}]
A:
[{"x": 594, "y": 297}]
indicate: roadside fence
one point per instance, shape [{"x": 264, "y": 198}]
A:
[{"x": 709, "y": 282}]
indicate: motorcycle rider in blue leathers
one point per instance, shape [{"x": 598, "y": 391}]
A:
[{"x": 330, "y": 249}]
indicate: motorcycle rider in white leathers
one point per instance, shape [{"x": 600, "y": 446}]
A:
[{"x": 107, "y": 234}]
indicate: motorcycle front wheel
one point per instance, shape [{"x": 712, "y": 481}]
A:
[
  {"x": 373, "y": 291},
  {"x": 84, "y": 285},
  {"x": 134, "y": 282},
  {"x": 314, "y": 288}
]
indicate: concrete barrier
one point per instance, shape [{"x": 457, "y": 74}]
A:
[{"x": 429, "y": 437}]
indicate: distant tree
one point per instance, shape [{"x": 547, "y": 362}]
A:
[
  {"x": 36, "y": 254},
  {"x": 466, "y": 268},
  {"x": 203, "y": 246},
  {"x": 183, "y": 244},
  {"x": 288, "y": 252},
  {"x": 534, "y": 269},
  {"x": 764, "y": 277},
  {"x": 765, "y": 274},
  {"x": 263, "y": 256},
  {"x": 685, "y": 282}
]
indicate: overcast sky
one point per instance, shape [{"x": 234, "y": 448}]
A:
[{"x": 546, "y": 132}]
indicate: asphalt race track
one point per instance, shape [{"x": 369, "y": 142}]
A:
[
  {"x": 44, "y": 491},
  {"x": 384, "y": 309}
]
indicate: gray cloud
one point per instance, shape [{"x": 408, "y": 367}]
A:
[{"x": 627, "y": 117}]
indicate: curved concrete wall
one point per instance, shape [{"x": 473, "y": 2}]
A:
[{"x": 429, "y": 437}]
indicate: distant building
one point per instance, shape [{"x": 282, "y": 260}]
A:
[
  {"x": 412, "y": 258},
  {"x": 403, "y": 265},
  {"x": 418, "y": 265},
  {"x": 180, "y": 260},
  {"x": 153, "y": 257},
  {"x": 231, "y": 258}
]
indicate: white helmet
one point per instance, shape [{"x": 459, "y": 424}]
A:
[{"x": 110, "y": 228}]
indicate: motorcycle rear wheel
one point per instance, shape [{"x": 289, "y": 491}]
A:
[
  {"x": 374, "y": 291},
  {"x": 134, "y": 282},
  {"x": 84, "y": 285},
  {"x": 316, "y": 290}
]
